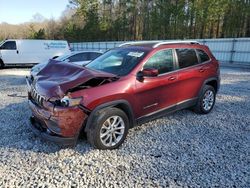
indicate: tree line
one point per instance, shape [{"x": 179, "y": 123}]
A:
[{"x": 108, "y": 20}]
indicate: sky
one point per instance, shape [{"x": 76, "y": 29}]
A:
[{"x": 20, "y": 11}]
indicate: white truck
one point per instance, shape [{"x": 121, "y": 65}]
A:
[{"x": 25, "y": 51}]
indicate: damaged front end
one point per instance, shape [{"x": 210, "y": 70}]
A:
[{"x": 56, "y": 115}]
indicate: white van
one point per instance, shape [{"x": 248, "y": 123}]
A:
[{"x": 24, "y": 51}]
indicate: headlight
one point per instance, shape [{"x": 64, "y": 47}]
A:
[{"x": 68, "y": 102}]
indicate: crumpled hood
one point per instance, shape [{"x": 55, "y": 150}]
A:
[{"x": 57, "y": 77}]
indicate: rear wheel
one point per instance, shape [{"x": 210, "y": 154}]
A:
[
  {"x": 206, "y": 100},
  {"x": 109, "y": 129},
  {"x": 1, "y": 64}
]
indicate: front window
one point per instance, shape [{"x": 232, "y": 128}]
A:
[
  {"x": 118, "y": 61},
  {"x": 163, "y": 61},
  {"x": 9, "y": 45}
]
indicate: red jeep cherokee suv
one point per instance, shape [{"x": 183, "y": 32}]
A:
[{"x": 122, "y": 88}]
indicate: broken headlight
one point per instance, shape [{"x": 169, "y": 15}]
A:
[{"x": 69, "y": 102}]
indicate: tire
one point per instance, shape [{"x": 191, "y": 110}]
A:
[
  {"x": 1, "y": 64},
  {"x": 206, "y": 100},
  {"x": 109, "y": 129}
]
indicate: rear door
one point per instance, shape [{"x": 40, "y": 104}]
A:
[
  {"x": 191, "y": 75},
  {"x": 156, "y": 93},
  {"x": 10, "y": 53}
]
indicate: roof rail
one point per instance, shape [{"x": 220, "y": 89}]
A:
[
  {"x": 138, "y": 42},
  {"x": 175, "y": 42}
]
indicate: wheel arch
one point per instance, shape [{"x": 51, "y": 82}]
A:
[
  {"x": 120, "y": 104},
  {"x": 214, "y": 82}
]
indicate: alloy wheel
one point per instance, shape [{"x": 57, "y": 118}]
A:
[
  {"x": 208, "y": 100},
  {"x": 112, "y": 131}
]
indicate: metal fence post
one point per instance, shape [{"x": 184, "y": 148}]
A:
[{"x": 232, "y": 50}]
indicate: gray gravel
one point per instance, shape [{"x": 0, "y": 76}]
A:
[{"x": 180, "y": 150}]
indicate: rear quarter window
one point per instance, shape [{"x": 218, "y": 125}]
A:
[
  {"x": 203, "y": 56},
  {"x": 186, "y": 57}
]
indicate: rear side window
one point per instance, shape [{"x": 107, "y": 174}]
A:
[
  {"x": 79, "y": 57},
  {"x": 93, "y": 55},
  {"x": 203, "y": 56},
  {"x": 162, "y": 61},
  {"x": 186, "y": 57},
  {"x": 9, "y": 45}
]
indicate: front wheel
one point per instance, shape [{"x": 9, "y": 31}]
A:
[
  {"x": 109, "y": 129},
  {"x": 206, "y": 100}
]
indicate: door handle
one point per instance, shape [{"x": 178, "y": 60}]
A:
[
  {"x": 17, "y": 52},
  {"x": 172, "y": 78}
]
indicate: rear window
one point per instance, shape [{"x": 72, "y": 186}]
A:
[
  {"x": 186, "y": 57},
  {"x": 203, "y": 56}
]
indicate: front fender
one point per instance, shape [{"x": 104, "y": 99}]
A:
[{"x": 117, "y": 103}]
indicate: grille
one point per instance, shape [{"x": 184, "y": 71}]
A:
[{"x": 36, "y": 97}]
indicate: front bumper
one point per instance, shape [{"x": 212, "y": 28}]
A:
[
  {"x": 54, "y": 123},
  {"x": 61, "y": 125},
  {"x": 46, "y": 134}
]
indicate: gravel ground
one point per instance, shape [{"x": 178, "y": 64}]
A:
[{"x": 179, "y": 150}]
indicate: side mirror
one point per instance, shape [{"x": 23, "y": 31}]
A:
[{"x": 148, "y": 72}]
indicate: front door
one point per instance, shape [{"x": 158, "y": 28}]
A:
[
  {"x": 9, "y": 52},
  {"x": 157, "y": 93}
]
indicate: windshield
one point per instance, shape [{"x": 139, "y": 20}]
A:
[
  {"x": 118, "y": 61},
  {"x": 1, "y": 42}
]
